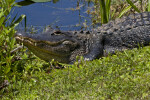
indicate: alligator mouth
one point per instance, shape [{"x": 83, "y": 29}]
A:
[
  {"x": 35, "y": 42},
  {"x": 47, "y": 47}
]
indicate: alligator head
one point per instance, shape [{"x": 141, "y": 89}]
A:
[{"x": 55, "y": 45}]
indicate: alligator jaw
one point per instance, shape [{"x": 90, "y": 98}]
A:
[
  {"x": 58, "y": 50},
  {"x": 33, "y": 42}
]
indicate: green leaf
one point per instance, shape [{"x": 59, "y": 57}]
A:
[
  {"x": 24, "y": 3},
  {"x": 29, "y": 2},
  {"x": 18, "y": 21},
  {"x": 1, "y": 13},
  {"x": 135, "y": 8},
  {"x": 12, "y": 43},
  {"x": 41, "y": 0},
  {"x": 124, "y": 11},
  {"x": 14, "y": 19},
  {"x": 7, "y": 69},
  {"x": 1, "y": 21},
  {"x": 148, "y": 5}
]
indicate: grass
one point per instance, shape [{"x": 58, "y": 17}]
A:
[
  {"x": 106, "y": 10},
  {"x": 121, "y": 76}
]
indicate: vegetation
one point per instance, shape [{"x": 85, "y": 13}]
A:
[
  {"x": 106, "y": 10},
  {"x": 121, "y": 76},
  {"x": 7, "y": 43}
]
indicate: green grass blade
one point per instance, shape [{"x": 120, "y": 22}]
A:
[
  {"x": 25, "y": 22},
  {"x": 148, "y": 5},
  {"x": 124, "y": 11},
  {"x": 17, "y": 21},
  {"x": 133, "y": 6},
  {"x": 103, "y": 12},
  {"x": 13, "y": 20},
  {"x": 108, "y": 3}
]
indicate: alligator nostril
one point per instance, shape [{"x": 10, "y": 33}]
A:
[
  {"x": 18, "y": 34},
  {"x": 52, "y": 34},
  {"x": 87, "y": 32}
]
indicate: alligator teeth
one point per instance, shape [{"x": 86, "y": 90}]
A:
[
  {"x": 22, "y": 39},
  {"x": 35, "y": 44}
]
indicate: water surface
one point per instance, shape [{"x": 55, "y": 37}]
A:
[{"x": 65, "y": 14}]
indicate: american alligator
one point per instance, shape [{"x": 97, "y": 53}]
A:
[{"x": 63, "y": 46}]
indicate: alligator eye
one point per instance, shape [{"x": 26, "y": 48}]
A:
[
  {"x": 66, "y": 42},
  {"x": 57, "y": 33}
]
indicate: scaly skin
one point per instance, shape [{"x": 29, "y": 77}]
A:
[{"x": 125, "y": 33}]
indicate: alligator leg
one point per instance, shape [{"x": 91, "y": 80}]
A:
[{"x": 95, "y": 49}]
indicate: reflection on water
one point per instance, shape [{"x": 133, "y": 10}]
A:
[{"x": 64, "y": 14}]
